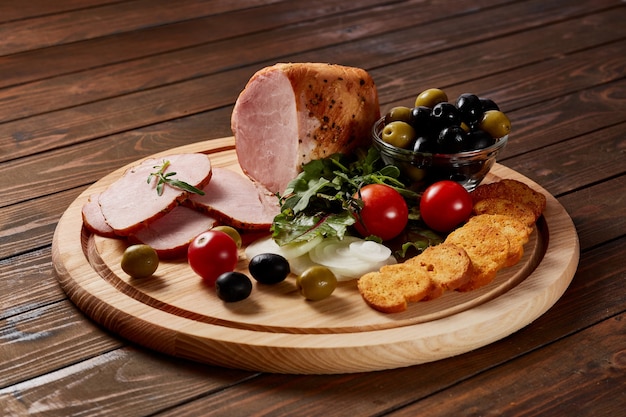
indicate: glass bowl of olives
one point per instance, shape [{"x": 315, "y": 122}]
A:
[{"x": 438, "y": 140}]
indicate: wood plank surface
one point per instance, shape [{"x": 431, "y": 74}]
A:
[
  {"x": 189, "y": 64},
  {"x": 89, "y": 86},
  {"x": 105, "y": 20}
]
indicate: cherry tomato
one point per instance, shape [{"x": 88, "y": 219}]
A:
[
  {"x": 384, "y": 213},
  {"x": 211, "y": 254},
  {"x": 445, "y": 205}
]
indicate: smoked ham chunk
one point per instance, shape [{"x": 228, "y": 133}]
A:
[
  {"x": 236, "y": 201},
  {"x": 131, "y": 203},
  {"x": 289, "y": 114}
]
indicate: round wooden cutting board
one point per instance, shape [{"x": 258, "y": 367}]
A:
[{"x": 275, "y": 329}]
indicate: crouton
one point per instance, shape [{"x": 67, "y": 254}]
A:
[
  {"x": 488, "y": 249},
  {"x": 515, "y": 231},
  {"x": 514, "y": 191},
  {"x": 392, "y": 290}
]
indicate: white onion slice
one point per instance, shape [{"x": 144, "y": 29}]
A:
[
  {"x": 293, "y": 250},
  {"x": 289, "y": 251},
  {"x": 348, "y": 262},
  {"x": 369, "y": 250},
  {"x": 263, "y": 245},
  {"x": 300, "y": 264},
  {"x": 349, "y": 258}
]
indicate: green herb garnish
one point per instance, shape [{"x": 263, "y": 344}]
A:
[
  {"x": 320, "y": 202},
  {"x": 163, "y": 178}
]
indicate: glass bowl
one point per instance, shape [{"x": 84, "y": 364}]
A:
[{"x": 467, "y": 168}]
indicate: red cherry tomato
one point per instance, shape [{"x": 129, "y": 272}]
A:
[
  {"x": 212, "y": 253},
  {"x": 384, "y": 213},
  {"x": 445, "y": 205}
]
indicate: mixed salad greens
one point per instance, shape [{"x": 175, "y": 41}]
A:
[{"x": 322, "y": 201}]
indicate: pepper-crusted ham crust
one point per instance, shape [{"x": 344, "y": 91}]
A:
[{"x": 289, "y": 114}]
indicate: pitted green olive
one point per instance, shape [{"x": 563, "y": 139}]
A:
[
  {"x": 496, "y": 123},
  {"x": 431, "y": 97},
  {"x": 399, "y": 134},
  {"x": 399, "y": 113},
  {"x": 230, "y": 231},
  {"x": 140, "y": 261},
  {"x": 316, "y": 283}
]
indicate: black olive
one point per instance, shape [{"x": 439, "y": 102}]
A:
[
  {"x": 470, "y": 109},
  {"x": 424, "y": 144},
  {"x": 445, "y": 114},
  {"x": 451, "y": 139},
  {"x": 269, "y": 268},
  {"x": 478, "y": 139},
  {"x": 233, "y": 286},
  {"x": 420, "y": 120},
  {"x": 488, "y": 104}
]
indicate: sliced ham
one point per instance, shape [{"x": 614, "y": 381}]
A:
[
  {"x": 171, "y": 234},
  {"x": 236, "y": 201},
  {"x": 289, "y": 114},
  {"x": 131, "y": 203},
  {"x": 93, "y": 219}
]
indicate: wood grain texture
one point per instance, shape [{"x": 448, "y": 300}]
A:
[
  {"x": 45, "y": 341},
  {"x": 205, "y": 57},
  {"x": 105, "y": 20},
  {"x": 174, "y": 314},
  {"x": 121, "y": 382},
  {"x": 523, "y": 382},
  {"x": 55, "y": 141},
  {"x": 566, "y": 117},
  {"x": 130, "y": 78}
]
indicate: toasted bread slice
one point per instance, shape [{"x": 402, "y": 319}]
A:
[
  {"x": 391, "y": 291},
  {"x": 488, "y": 249},
  {"x": 515, "y": 231},
  {"x": 514, "y": 191},
  {"x": 447, "y": 265},
  {"x": 519, "y": 211},
  {"x": 424, "y": 277}
]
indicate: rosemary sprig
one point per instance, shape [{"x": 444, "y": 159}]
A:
[{"x": 163, "y": 178}]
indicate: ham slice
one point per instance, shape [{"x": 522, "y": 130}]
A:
[
  {"x": 236, "y": 201},
  {"x": 93, "y": 219},
  {"x": 131, "y": 203},
  {"x": 171, "y": 234},
  {"x": 289, "y": 114}
]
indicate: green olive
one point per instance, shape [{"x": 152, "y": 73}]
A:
[
  {"x": 230, "y": 231},
  {"x": 400, "y": 113},
  {"x": 140, "y": 261},
  {"x": 316, "y": 283},
  {"x": 413, "y": 173},
  {"x": 496, "y": 123},
  {"x": 431, "y": 97},
  {"x": 399, "y": 134}
]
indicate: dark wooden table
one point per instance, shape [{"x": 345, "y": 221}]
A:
[{"x": 87, "y": 86}]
